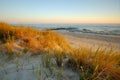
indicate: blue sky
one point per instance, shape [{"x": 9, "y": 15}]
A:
[{"x": 60, "y": 11}]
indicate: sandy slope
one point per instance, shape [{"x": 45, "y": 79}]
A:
[{"x": 31, "y": 67}]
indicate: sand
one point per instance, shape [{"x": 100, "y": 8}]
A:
[
  {"x": 31, "y": 67},
  {"x": 92, "y": 40}
]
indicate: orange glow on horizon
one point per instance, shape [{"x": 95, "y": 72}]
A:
[
  {"x": 116, "y": 21},
  {"x": 61, "y": 20}
]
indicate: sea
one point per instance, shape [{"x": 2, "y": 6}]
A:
[{"x": 107, "y": 29}]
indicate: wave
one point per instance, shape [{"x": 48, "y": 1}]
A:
[{"x": 74, "y": 29}]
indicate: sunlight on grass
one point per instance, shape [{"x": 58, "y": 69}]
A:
[
  {"x": 96, "y": 65},
  {"x": 99, "y": 64},
  {"x": 34, "y": 39}
]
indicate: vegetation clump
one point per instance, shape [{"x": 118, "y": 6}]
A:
[
  {"x": 95, "y": 65},
  {"x": 34, "y": 39}
]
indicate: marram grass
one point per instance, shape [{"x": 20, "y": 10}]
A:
[
  {"x": 96, "y": 65},
  {"x": 34, "y": 39}
]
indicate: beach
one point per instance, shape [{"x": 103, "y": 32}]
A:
[
  {"x": 92, "y": 40},
  {"x": 60, "y": 40},
  {"x": 57, "y": 54}
]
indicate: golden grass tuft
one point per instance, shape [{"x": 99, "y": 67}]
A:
[
  {"x": 9, "y": 49},
  {"x": 96, "y": 65}
]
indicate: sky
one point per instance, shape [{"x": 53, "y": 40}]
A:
[{"x": 60, "y": 11}]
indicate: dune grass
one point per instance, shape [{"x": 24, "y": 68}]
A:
[
  {"x": 96, "y": 65},
  {"x": 101, "y": 64},
  {"x": 34, "y": 39}
]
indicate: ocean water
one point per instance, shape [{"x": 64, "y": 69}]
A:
[{"x": 108, "y": 29}]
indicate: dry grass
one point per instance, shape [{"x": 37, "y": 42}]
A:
[
  {"x": 96, "y": 65},
  {"x": 0, "y": 42},
  {"x": 101, "y": 64},
  {"x": 9, "y": 49},
  {"x": 34, "y": 39}
]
